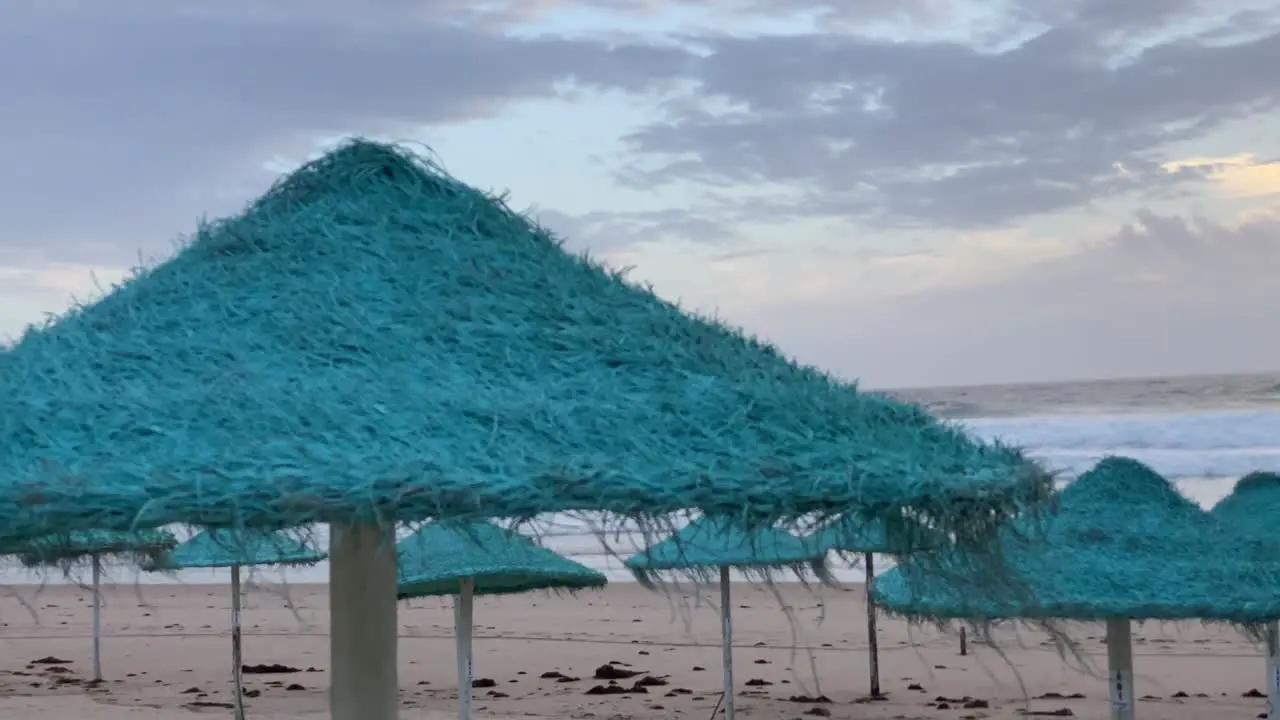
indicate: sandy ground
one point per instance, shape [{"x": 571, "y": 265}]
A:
[{"x": 166, "y": 651}]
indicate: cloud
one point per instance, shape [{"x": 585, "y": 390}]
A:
[
  {"x": 894, "y": 188},
  {"x": 990, "y": 15},
  {"x": 1241, "y": 176},
  {"x": 1165, "y": 294},
  {"x": 144, "y": 115},
  {"x": 828, "y": 14},
  {"x": 606, "y": 232},
  {"x": 139, "y": 115},
  {"x": 926, "y": 133},
  {"x": 30, "y": 294}
]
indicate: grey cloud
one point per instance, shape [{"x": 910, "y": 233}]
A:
[
  {"x": 1100, "y": 14},
  {"x": 919, "y": 13},
  {"x": 1161, "y": 267},
  {"x": 1106, "y": 15},
  {"x": 111, "y": 109},
  {"x": 348, "y": 14},
  {"x": 925, "y": 133},
  {"x": 603, "y": 232},
  {"x": 1163, "y": 295},
  {"x": 986, "y": 17}
]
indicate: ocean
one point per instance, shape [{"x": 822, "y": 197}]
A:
[{"x": 1202, "y": 432}]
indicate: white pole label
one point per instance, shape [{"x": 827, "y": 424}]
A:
[{"x": 1120, "y": 690}]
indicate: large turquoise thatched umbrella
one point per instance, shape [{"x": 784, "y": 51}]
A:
[
  {"x": 70, "y": 548},
  {"x": 1123, "y": 544},
  {"x": 708, "y": 548},
  {"x": 1252, "y": 511},
  {"x": 469, "y": 559},
  {"x": 853, "y": 534},
  {"x": 373, "y": 342},
  {"x": 235, "y": 549}
]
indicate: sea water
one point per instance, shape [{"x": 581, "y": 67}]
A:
[{"x": 1201, "y": 432}]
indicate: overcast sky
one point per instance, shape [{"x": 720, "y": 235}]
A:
[{"x": 910, "y": 192}]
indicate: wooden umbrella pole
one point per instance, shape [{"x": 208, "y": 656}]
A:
[
  {"x": 726, "y": 629},
  {"x": 1120, "y": 668},
  {"x": 873, "y": 642},
  {"x": 362, "y": 623},
  {"x": 237, "y": 662},
  {"x": 97, "y": 617},
  {"x": 1273, "y": 670},
  {"x": 464, "y": 622}
]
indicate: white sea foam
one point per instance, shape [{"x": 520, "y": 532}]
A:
[
  {"x": 1205, "y": 431},
  {"x": 1204, "y": 453},
  {"x": 1181, "y": 447}
]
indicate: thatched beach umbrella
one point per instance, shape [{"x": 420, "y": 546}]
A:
[
  {"x": 1123, "y": 544},
  {"x": 373, "y": 342},
  {"x": 1252, "y": 511},
  {"x": 235, "y": 549},
  {"x": 477, "y": 558},
  {"x": 708, "y": 548},
  {"x": 72, "y": 548},
  {"x": 853, "y": 534}
]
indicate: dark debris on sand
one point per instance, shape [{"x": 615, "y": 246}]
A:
[{"x": 268, "y": 669}]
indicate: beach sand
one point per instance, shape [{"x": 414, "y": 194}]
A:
[{"x": 166, "y": 648}]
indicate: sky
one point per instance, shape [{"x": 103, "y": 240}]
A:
[{"x": 905, "y": 192}]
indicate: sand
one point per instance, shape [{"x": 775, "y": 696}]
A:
[{"x": 167, "y": 647}]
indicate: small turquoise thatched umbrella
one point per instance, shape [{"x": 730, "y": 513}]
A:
[
  {"x": 1252, "y": 511},
  {"x": 64, "y": 549},
  {"x": 853, "y": 534},
  {"x": 351, "y": 347},
  {"x": 708, "y": 547},
  {"x": 235, "y": 549},
  {"x": 1123, "y": 544},
  {"x": 477, "y": 558}
]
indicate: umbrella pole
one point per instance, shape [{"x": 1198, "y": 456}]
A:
[
  {"x": 1120, "y": 668},
  {"x": 873, "y": 646},
  {"x": 97, "y": 618},
  {"x": 362, "y": 623},
  {"x": 463, "y": 622},
  {"x": 237, "y": 666},
  {"x": 726, "y": 630},
  {"x": 1273, "y": 670}
]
